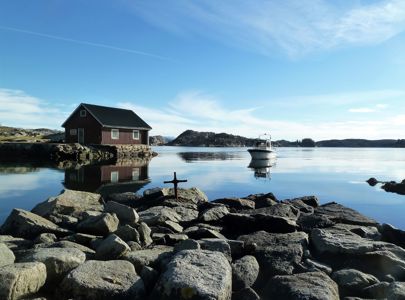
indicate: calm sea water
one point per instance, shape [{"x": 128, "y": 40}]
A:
[{"x": 332, "y": 174}]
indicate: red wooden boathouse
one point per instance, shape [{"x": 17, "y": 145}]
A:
[{"x": 95, "y": 124}]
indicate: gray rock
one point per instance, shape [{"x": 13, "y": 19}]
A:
[
  {"x": 278, "y": 210},
  {"x": 186, "y": 214},
  {"x": 90, "y": 213},
  {"x": 245, "y": 294},
  {"x": 21, "y": 280},
  {"x": 149, "y": 277},
  {"x": 197, "y": 233},
  {"x": 173, "y": 226},
  {"x": 58, "y": 261},
  {"x": 262, "y": 200},
  {"x": 369, "y": 232},
  {"x": 149, "y": 257},
  {"x": 393, "y": 235},
  {"x": 71, "y": 203},
  {"x": 145, "y": 234},
  {"x": 312, "y": 285},
  {"x": 308, "y": 200},
  {"x": 218, "y": 245},
  {"x": 195, "y": 274},
  {"x": 341, "y": 214},
  {"x": 236, "y": 203},
  {"x": 124, "y": 213},
  {"x": 314, "y": 266},
  {"x": 134, "y": 246},
  {"x": 237, "y": 247},
  {"x": 45, "y": 238},
  {"x": 158, "y": 214},
  {"x": 244, "y": 272},
  {"x": 128, "y": 233},
  {"x": 99, "y": 225},
  {"x": 112, "y": 248},
  {"x": 277, "y": 254},
  {"x": 103, "y": 280},
  {"x": 396, "y": 291},
  {"x": 214, "y": 214},
  {"x": 14, "y": 243},
  {"x": 352, "y": 282},
  {"x": 68, "y": 244},
  {"x": 82, "y": 238},
  {"x": 188, "y": 244},
  {"x": 303, "y": 208},
  {"x": 168, "y": 239},
  {"x": 65, "y": 221},
  {"x": 22, "y": 223},
  {"x": 377, "y": 291},
  {"x": 155, "y": 193},
  {"x": 6, "y": 255}
]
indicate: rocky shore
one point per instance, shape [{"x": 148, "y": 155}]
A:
[{"x": 79, "y": 246}]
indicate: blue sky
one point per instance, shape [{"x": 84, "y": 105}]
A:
[{"x": 294, "y": 68}]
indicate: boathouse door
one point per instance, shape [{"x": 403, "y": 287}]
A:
[{"x": 80, "y": 135}]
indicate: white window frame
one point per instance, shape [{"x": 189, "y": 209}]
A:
[
  {"x": 83, "y": 113},
  {"x": 115, "y": 176},
  {"x": 73, "y": 131},
  {"x": 113, "y": 132},
  {"x": 133, "y": 134}
]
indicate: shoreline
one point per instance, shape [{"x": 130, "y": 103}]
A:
[{"x": 255, "y": 247}]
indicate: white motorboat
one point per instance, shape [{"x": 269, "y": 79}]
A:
[{"x": 263, "y": 148}]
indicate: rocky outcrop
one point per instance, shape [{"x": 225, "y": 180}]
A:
[{"x": 158, "y": 247}]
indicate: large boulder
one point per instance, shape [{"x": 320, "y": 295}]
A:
[
  {"x": 58, "y": 261},
  {"x": 186, "y": 214},
  {"x": 244, "y": 272},
  {"x": 195, "y": 274},
  {"x": 218, "y": 245},
  {"x": 6, "y": 255},
  {"x": 99, "y": 225},
  {"x": 22, "y": 223},
  {"x": 154, "y": 257},
  {"x": 236, "y": 203},
  {"x": 124, "y": 213},
  {"x": 312, "y": 285},
  {"x": 69, "y": 202},
  {"x": 111, "y": 248},
  {"x": 283, "y": 210},
  {"x": 213, "y": 214},
  {"x": 103, "y": 280},
  {"x": 352, "y": 282},
  {"x": 341, "y": 214},
  {"x": 128, "y": 233},
  {"x": 145, "y": 234},
  {"x": 277, "y": 254},
  {"x": 21, "y": 280},
  {"x": 392, "y": 235}
]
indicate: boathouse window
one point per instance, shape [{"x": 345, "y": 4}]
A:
[
  {"x": 73, "y": 131},
  {"x": 114, "y": 176},
  {"x": 83, "y": 113},
  {"x": 135, "y": 134},
  {"x": 115, "y": 134},
  {"x": 135, "y": 174}
]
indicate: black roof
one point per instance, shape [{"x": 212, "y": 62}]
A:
[{"x": 115, "y": 117}]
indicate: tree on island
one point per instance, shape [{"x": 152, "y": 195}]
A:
[{"x": 307, "y": 142}]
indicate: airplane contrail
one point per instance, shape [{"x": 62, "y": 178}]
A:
[{"x": 84, "y": 42}]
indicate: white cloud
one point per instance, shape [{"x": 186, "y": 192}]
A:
[
  {"x": 297, "y": 27},
  {"x": 376, "y": 108},
  {"x": 22, "y": 110}
]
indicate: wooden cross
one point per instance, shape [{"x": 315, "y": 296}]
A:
[{"x": 175, "y": 181}]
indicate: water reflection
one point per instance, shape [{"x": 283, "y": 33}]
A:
[
  {"x": 129, "y": 176},
  {"x": 209, "y": 156},
  {"x": 261, "y": 167}
]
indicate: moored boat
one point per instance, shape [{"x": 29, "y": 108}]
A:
[{"x": 262, "y": 148}]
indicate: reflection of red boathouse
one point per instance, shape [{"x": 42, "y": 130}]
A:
[{"x": 105, "y": 179}]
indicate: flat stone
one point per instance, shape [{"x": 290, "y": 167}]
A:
[
  {"x": 103, "y": 280},
  {"x": 169, "y": 239},
  {"x": 82, "y": 238},
  {"x": 6, "y": 255},
  {"x": 236, "y": 203},
  {"x": 244, "y": 272},
  {"x": 214, "y": 214},
  {"x": 149, "y": 257},
  {"x": 312, "y": 285},
  {"x": 309, "y": 222},
  {"x": 278, "y": 210},
  {"x": 197, "y": 233},
  {"x": 58, "y": 261},
  {"x": 218, "y": 245},
  {"x": 15, "y": 243},
  {"x": 188, "y": 244},
  {"x": 21, "y": 280},
  {"x": 195, "y": 274},
  {"x": 124, "y": 213},
  {"x": 69, "y": 202},
  {"x": 24, "y": 224},
  {"x": 68, "y": 244},
  {"x": 175, "y": 227},
  {"x": 158, "y": 214},
  {"x": 186, "y": 214},
  {"x": 99, "y": 225},
  {"x": 341, "y": 214},
  {"x": 111, "y": 248}
]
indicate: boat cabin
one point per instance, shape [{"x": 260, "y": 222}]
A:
[{"x": 95, "y": 124}]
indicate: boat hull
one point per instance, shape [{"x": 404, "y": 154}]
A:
[{"x": 262, "y": 154}]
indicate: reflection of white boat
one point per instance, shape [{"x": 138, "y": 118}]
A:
[
  {"x": 261, "y": 167},
  {"x": 262, "y": 148}
]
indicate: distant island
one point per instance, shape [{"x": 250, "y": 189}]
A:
[{"x": 210, "y": 139}]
